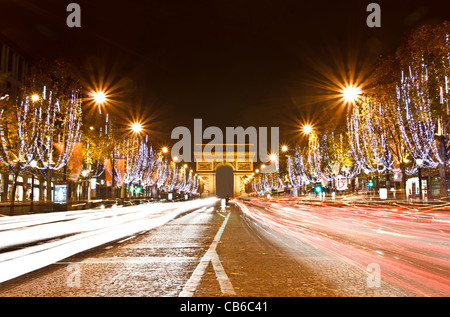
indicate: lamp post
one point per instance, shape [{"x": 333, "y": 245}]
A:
[
  {"x": 419, "y": 163},
  {"x": 100, "y": 98},
  {"x": 86, "y": 174},
  {"x": 311, "y": 132},
  {"x": 136, "y": 127},
  {"x": 33, "y": 165}
]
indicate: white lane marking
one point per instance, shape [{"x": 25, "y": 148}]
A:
[
  {"x": 134, "y": 260},
  {"x": 126, "y": 239},
  {"x": 210, "y": 256}
]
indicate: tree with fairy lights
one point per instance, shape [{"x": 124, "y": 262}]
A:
[
  {"x": 149, "y": 179},
  {"x": 19, "y": 130},
  {"x": 163, "y": 172},
  {"x": 423, "y": 93},
  {"x": 58, "y": 134},
  {"x": 133, "y": 155},
  {"x": 59, "y": 98},
  {"x": 370, "y": 140},
  {"x": 98, "y": 144}
]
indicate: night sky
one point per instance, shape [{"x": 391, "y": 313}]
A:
[{"x": 231, "y": 63}]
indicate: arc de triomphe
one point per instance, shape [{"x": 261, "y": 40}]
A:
[{"x": 222, "y": 178}]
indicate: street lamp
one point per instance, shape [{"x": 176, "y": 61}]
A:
[
  {"x": 307, "y": 129},
  {"x": 33, "y": 165},
  {"x": 99, "y": 97},
  {"x": 35, "y": 98},
  {"x": 136, "y": 127},
  {"x": 351, "y": 93},
  {"x": 419, "y": 163}
]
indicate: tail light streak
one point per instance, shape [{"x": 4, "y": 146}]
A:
[{"x": 412, "y": 249}]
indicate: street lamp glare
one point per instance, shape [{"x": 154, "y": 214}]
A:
[
  {"x": 35, "y": 97},
  {"x": 351, "y": 93},
  {"x": 136, "y": 127},
  {"x": 273, "y": 157},
  {"x": 307, "y": 129},
  {"x": 165, "y": 149},
  {"x": 284, "y": 148},
  {"x": 99, "y": 97}
]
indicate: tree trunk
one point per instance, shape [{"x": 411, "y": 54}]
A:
[
  {"x": 442, "y": 181},
  {"x": 403, "y": 182},
  {"x": 49, "y": 197},
  {"x": 442, "y": 176},
  {"x": 13, "y": 194},
  {"x": 5, "y": 177}
]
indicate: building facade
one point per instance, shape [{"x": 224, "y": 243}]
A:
[{"x": 13, "y": 69}]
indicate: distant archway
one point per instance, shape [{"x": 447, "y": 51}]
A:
[{"x": 224, "y": 181}]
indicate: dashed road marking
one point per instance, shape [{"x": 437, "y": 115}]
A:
[{"x": 210, "y": 256}]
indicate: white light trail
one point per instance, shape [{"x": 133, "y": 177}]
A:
[{"x": 79, "y": 231}]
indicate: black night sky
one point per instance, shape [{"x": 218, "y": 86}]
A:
[{"x": 231, "y": 63}]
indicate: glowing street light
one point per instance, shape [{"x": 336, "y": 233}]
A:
[
  {"x": 351, "y": 93},
  {"x": 136, "y": 127},
  {"x": 307, "y": 129},
  {"x": 35, "y": 98},
  {"x": 99, "y": 97},
  {"x": 284, "y": 148},
  {"x": 165, "y": 149}
]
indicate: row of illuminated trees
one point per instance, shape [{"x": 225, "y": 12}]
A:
[
  {"x": 43, "y": 132},
  {"x": 396, "y": 125}
]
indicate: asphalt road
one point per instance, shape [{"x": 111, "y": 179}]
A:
[{"x": 206, "y": 253}]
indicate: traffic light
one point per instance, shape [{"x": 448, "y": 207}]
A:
[
  {"x": 135, "y": 189},
  {"x": 318, "y": 189},
  {"x": 370, "y": 184}
]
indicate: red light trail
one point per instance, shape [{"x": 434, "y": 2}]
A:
[{"x": 411, "y": 247}]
